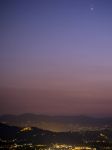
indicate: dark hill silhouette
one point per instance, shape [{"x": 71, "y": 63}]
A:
[
  {"x": 57, "y": 123},
  {"x": 39, "y": 136}
]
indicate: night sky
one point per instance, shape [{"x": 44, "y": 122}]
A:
[{"x": 56, "y": 57}]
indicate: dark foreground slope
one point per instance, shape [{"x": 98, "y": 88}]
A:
[{"x": 10, "y": 135}]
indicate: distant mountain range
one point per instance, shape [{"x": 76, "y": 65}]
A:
[{"x": 57, "y": 123}]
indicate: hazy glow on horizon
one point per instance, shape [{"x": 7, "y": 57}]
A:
[{"x": 56, "y": 56}]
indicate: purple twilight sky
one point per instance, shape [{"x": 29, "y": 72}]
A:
[{"x": 56, "y": 57}]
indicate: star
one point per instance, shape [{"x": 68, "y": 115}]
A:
[{"x": 92, "y": 8}]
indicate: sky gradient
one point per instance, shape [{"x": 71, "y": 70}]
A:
[{"x": 56, "y": 57}]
